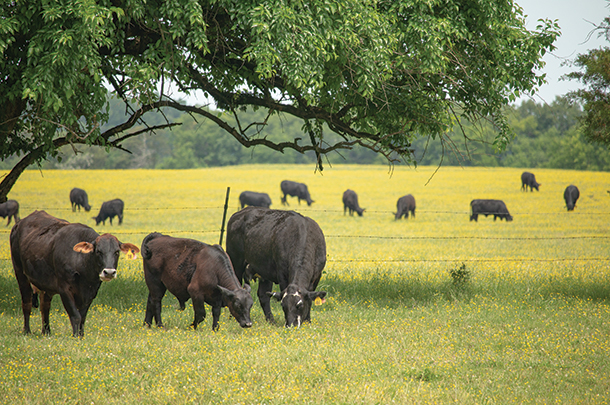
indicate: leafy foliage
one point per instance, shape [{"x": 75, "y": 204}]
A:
[
  {"x": 379, "y": 74},
  {"x": 595, "y": 97}
]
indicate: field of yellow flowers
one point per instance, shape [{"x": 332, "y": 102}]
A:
[{"x": 433, "y": 309}]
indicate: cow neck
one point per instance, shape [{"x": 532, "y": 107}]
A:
[{"x": 226, "y": 275}]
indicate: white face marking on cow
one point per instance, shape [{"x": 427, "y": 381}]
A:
[
  {"x": 107, "y": 274},
  {"x": 284, "y": 296},
  {"x": 298, "y": 321}
]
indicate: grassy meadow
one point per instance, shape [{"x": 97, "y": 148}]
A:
[{"x": 433, "y": 309}]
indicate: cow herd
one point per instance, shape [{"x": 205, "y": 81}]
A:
[{"x": 51, "y": 256}]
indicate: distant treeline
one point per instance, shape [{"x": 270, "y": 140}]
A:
[{"x": 547, "y": 136}]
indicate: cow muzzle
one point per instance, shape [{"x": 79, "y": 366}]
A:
[{"x": 108, "y": 274}]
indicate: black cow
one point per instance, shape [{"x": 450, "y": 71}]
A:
[
  {"x": 254, "y": 199},
  {"x": 405, "y": 204},
  {"x": 497, "y": 208},
  {"x": 52, "y": 256},
  {"x": 10, "y": 209},
  {"x": 294, "y": 189},
  {"x": 571, "y": 196},
  {"x": 195, "y": 270},
  {"x": 529, "y": 180},
  {"x": 280, "y": 247},
  {"x": 350, "y": 202},
  {"x": 78, "y": 198},
  {"x": 109, "y": 210}
]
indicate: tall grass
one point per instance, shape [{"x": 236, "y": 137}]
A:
[{"x": 434, "y": 309}]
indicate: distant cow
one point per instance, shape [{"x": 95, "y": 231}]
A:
[
  {"x": 195, "y": 270},
  {"x": 254, "y": 199},
  {"x": 497, "y": 208},
  {"x": 52, "y": 256},
  {"x": 78, "y": 198},
  {"x": 405, "y": 204},
  {"x": 10, "y": 209},
  {"x": 529, "y": 180},
  {"x": 280, "y": 247},
  {"x": 294, "y": 189},
  {"x": 109, "y": 210},
  {"x": 571, "y": 196},
  {"x": 350, "y": 202}
]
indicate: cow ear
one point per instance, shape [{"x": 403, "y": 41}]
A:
[
  {"x": 312, "y": 295},
  {"x": 130, "y": 249},
  {"x": 83, "y": 247},
  {"x": 247, "y": 288},
  {"x": 276, "y": 295},
  {"x": 226, "y": 293}
]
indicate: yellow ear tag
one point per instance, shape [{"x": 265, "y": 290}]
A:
[
  {"x": 131, "y": 255},
  {"x": 319, "y": 301}
]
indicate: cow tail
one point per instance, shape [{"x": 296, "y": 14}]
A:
[{"x": 145, "y": 250}]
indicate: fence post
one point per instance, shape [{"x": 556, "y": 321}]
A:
[{"x": 224, "y": 216}]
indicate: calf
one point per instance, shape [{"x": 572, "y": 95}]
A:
[
  {"x": 529, "y": 180},
  {"x": 78, "y": 198},
  {"x": 350, "y": 202},
  {"x": 195, "y": 270},
  {"x": 109, "y": 210},
  {"x": 51, "y": 256},
  {"x": 254, "y": 199},
  {"x": 405, "y": 204},
  {"x": 294, "y": 189},
  {"x": 571, "y": 195},
  {"x": 10, "y": 209},
  {"x": 280, "y": 247},
  {"x": 497, "y": 208}
]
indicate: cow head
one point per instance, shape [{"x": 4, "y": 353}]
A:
[
  {"x": 296, "y": 303},
  {"x": 239, "y": 303},
  {"x": 106, "y": 249}
]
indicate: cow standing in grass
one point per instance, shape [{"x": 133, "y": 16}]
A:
[
  {"x": 193, "y": 270},
  {"x": 79, "y": 198},
  {"x": 281, "y": 247},
  {"x": 254, "y": 199},
  {"x": 295, "y": 189},
  {"x": 497, "y": 208},
  {"x": 350, "y": 202},
  {"x": 405, "y": 204},
  {"x": 571, "y": 195},
  {"x": 109, "y": 210},
  {"x": 10, "y": 209},
  {"x": 529, "y": 180},
  {"x": 52, "y": 256}
]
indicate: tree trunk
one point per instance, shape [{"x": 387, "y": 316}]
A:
[{"x": 10, "y": 179}]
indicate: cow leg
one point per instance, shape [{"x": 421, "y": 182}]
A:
[
  {"x": 199, "y": 308},
  {"x": 215, "y": 316},
  {"x": 26, "y": 302},
  {"x": 73, "y": 313},
  {"x": 153, "y": 305},
  {"x": 45, "y": 308},
  {"x": 110, "y": 219},
  {"x": 265, "y": 286},
  {"x": 9, "y": 220},
  {"x": 120, "y": 219}
]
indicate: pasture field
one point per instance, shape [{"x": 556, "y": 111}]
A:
[{"x": 433, "y": 309}]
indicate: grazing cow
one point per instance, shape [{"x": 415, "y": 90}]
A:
[
  {"x": 571, "y": 196},
  {"x": 294, "y": 189},
  {"x": 529, "y": 180},
  {"x": 195, "y": 270},
  {"x": 109, "y": 210},
  {"x": 405, "y": 204},
  {"x": 78, "y": 198},
  {"x": 497, "y": 208},
  {"x": 10, "y": 209},
  {"x": 350, "y": 202},
  {"x": 53, "y": 256},
  {"x": 254, "y": 199},
  {"x": 280, "y": 247}
]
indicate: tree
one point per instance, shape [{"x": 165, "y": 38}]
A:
[
  {"x": 377, "y": 73},
  {"x": 595, "y": 97}
]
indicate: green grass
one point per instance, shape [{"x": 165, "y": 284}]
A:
[{"x": 526, "y": 322}]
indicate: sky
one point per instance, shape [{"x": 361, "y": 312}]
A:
[{"x": 575, "y": 19}]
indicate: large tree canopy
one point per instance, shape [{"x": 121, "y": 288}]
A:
[{"x": 378, "y": 73}]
